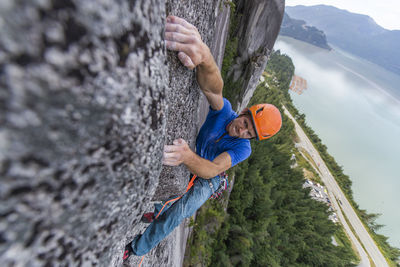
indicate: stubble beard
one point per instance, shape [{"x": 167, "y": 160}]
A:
[{"x": 231, "y": 130}]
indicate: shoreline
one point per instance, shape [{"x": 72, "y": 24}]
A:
[
  {"x": 352, "y": 151},
  {"x": 336, "y": 194}
]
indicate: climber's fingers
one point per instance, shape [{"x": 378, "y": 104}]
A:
[
  {"x": 180, "y": 37},
  {"x": 183, "y": 37},
  {"x": 171, "y": 162},
  {"x": 180, "y": 142},
  {"x": 184, "y": 23},
  {"x": 172, "y": 155},
  {"x": 170, "y": 27},
  {"x": 175, "y": 154},
  {"x": 171, "y": 148},
  {"x": 186, "y": 61},
  {"x": 172, "y": 158},
  {"x": 193, "y": 51}
]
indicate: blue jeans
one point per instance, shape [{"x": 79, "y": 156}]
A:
[{"x": 173, "y": 215}]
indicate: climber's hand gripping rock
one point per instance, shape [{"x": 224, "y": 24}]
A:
[
  {"x": 183, "y": 37},
  {"x": 176, "y": 153}
]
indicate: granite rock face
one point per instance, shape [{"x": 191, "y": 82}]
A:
[
  {"x": 83, "y": 117},
  {"x": 88, "y": 98},
  {"x": 184, "y": 93},
  {"x": 259, "y": 25},
  {"x": 87, "y": 92}
]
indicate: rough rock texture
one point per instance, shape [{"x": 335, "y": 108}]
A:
[
  {"x": 186, "y": 112},
  {"x": 88, "y": 97},
  {"x": 83, "y": 118},
  {"x": 260, "y": 21},
  {"x": 87, "y": 91},
  {"x": 221, "y": 31},
  {"x": 183, "y": 97}
]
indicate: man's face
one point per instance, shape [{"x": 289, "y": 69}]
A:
[{"x": 241, "y": 127}]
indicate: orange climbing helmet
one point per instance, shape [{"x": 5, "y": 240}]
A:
[{"x": 267, "y": 120}]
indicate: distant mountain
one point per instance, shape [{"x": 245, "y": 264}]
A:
[
  {"x": 299, "y": 30},
  {"x": 354, "y": 33}
]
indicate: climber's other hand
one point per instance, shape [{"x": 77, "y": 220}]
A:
[{"x": 176, "y": 153}]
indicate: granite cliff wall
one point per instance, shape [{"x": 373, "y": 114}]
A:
[
  {"x": 87, "y": 89},
  {"x": 258, "y": 26},
  {"x": 88, "y": 98}
]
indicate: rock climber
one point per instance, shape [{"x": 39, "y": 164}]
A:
[{"x": 223, "y": 140}]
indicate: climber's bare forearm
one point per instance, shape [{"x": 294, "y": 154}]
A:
[
  {"x": 183, "y": 37},
  {"x": 179, "y": 152},
  {"x": 205, "y": 168},
  {"x": 210, "y": 80}
]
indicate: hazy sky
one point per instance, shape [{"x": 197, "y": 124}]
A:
[{"x": 386, "y": 13}]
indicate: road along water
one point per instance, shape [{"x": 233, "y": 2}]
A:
[
  {"x": 335, "y": 192},
  {"x": 354, "y": 108}
]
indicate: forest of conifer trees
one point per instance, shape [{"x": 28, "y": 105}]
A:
[{"x": 270, "y": 219}]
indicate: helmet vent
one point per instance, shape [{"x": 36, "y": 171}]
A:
[{"x": 260, "y": 109}]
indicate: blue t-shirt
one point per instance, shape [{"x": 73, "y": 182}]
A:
[{"x": 213, "y": 128}]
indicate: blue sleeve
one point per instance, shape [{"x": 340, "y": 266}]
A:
[
  {"x": 227, "y": 109},
  {"x": 240, "y": 152}
]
